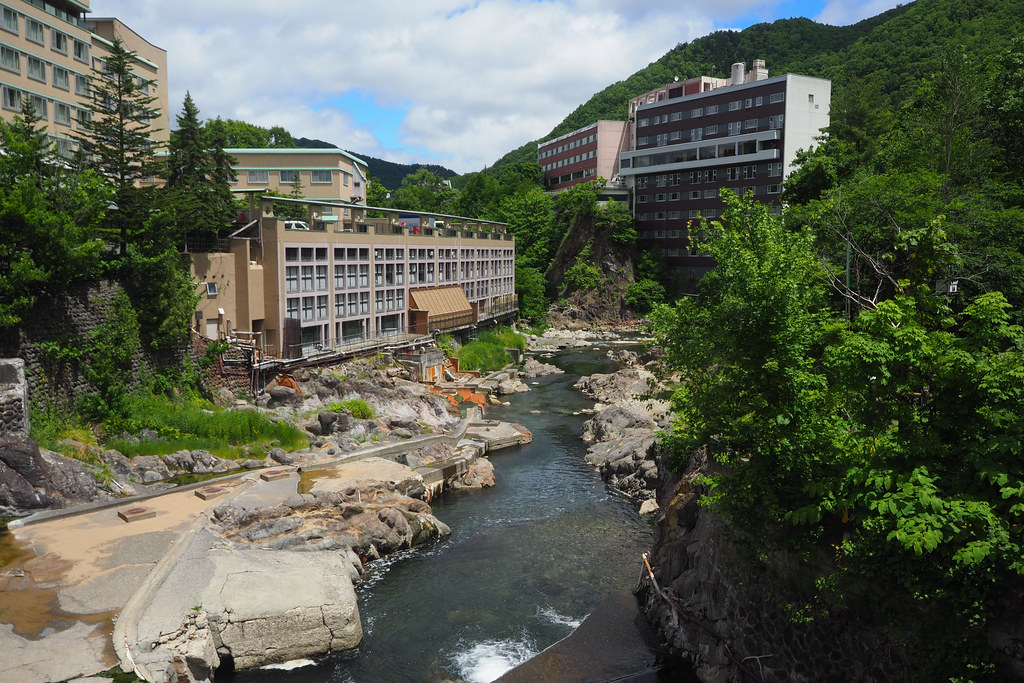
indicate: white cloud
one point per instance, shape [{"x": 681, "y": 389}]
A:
[
  {"x": 477, "y": 77},
  {"x": 843, "y": 12}
]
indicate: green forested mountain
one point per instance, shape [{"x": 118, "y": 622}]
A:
[{"x": 893, "y": 51}]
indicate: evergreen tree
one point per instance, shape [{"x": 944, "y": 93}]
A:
[
  {"x": 198, "y": 171},
  {"x": 118, "y": 140}
]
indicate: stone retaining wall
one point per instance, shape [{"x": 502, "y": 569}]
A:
[
  {"x": 13, "y": 398},
  {"x": 66, "y": 317}
]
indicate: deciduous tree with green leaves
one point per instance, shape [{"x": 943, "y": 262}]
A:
[
  {"x": 895, "y": 437},
  {"x": 50, "y": 218}
]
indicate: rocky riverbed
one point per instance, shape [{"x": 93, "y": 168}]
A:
[{"x": 360, "y": 492}]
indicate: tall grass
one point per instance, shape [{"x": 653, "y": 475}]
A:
[
  {"x": 488, "y": 353},
  {"x": 197, "y": 424}
]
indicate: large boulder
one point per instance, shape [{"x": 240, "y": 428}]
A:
[
  {"x": 613, "y": 422},
  {"x": 266, "y": 607},
  {"x": 535, "y": 368},
  {"x": 618, "y": 386},
  {"x": 32, "y": 479}
]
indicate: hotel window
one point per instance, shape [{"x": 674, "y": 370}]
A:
[
  {"x": 661, "y": 180},
  {"x": 735, "y": 127},
  {"x": 10, "y": 59},
  {"x": 321, "y": 277},
  {"x": 339, "y": 277},
  {"x": 675, "y": 135},
  {"x": 346, "y": 178},
  {"x": 339, "y": 305},
  {"x": 711, "y": 176},
  {"x": 378, "y": 302},
  {"x": 307, "y": 308},
  {"x": 36, "y": 69},
  {"x": 673, "y": 196},
  {"x": 750, "y": 171},
  {"x": 676, "y": 116},
  {"x": 36, "y": 32},
  {"x": 698, "y": 111},
  {"x": 10, "y": 20},
  {"x": 82, "y": 51},
  {"x": 58, "y": 42},
  {"x": 775, "y": 121},
  {"x": 39, "y": 104},
  {"x": 736, "y": 104},
  {"x": 364, "y": 276},
  {"x": 661, "y": 139},
  {"x": 641, "y": 140},
  {"x": 660, "y": 197},
  {"x": 641, "y": 182},
  {"x": 321, "y": 307},
  {"x": 84, "y": 118},
  {"x": 61, "y": 78},
  {"x": 712, "y": 109},
  {"x": 732, "y": 173},
  {"x": 776, "y": 97},
  {"x": 675, "y": 178},
  {"x": 321, "y": 176},
  {"x": 775, "y": 168},
  {"x": 62, "y": 113},
  {"x": 710, "y": 194},
  {"x": 288, "y": 177},
  {"x": 82, "y": 85},
  {"x": 696, "y": 134},
  {"x": 773, "y": 189},
  {"x": 810, "y": 98},
  {"x": 750, "y": 123},
  {"x": 307, "y": 278},
  {"x": 258, "y": 177},
  {"x": 758, "y": 101},
  {"x": 695, "y": 194},
  {"x": 641, "y": 199},
  {"x": 364, "y": 303},
  {"x": 353, "y": 304},
  {"x": 711, "y": 130},
  {"x": 291, "y": 309},
  {"x": 291, "y": 279},
  {"x": 642, "y": 122},
  {"x": 694, "y": 177},
  {"x": 748, "y": 103}
]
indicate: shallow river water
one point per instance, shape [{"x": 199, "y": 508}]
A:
[{"x": 526, "y": 562}]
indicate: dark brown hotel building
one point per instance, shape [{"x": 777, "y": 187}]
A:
[{"x": 689, "y": 139}]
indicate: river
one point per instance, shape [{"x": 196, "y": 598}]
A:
[{"x": 526, "y": 562}]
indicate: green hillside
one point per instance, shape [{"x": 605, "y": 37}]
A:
[{"x": 893, "y": 51}]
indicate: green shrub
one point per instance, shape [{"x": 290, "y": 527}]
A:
[{"x": 360, "y": 409}]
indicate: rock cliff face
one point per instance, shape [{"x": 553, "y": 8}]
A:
[{"x": 32, "y": 479}]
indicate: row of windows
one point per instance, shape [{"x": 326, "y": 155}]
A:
[
  {"x": 709, "y": 175},
  {"x": 317, "y": 176},
  {"x": 568, "y": 146},
  {"x": 293, "y": 254},
  {"x": 571, "y": 160},
  {"x": 35, "y": 31},
  {"x": 63, "y": 113},
  {"x": 697, "y": 134},
  {"x": 575, "y": 175},
  {"x": 711, "y": 110}
]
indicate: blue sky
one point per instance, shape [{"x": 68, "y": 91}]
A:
[{"x": 453, "y": 82}]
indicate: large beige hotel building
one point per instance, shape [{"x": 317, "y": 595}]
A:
[
  {"x": 48, "y": 52},
  {"x": 341, "y": 276}
]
